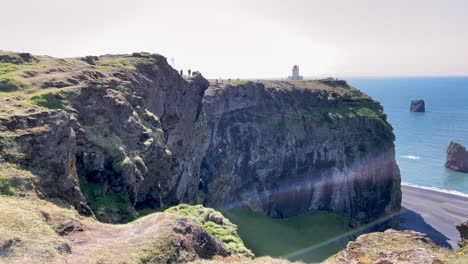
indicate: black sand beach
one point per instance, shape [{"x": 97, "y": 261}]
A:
[{"x": 434, "y": 213}]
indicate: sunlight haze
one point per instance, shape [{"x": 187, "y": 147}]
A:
[{"x": 252, "y": 39}]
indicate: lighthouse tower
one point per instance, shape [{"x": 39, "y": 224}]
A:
[{"x": 295, "y": 74}]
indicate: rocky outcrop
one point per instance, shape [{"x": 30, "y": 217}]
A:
[
  {"x": 457, "y": 158},
  {"x": 216, "y": 224},
  {"x": 45, "y": 143},
  {"x": 120, "y": 132},
  {"x": 394, "y": 246},
  {"x": 462, "y": 227},
  {"x": 418, "y": 106},
  {"x": 282, "y": 150}
]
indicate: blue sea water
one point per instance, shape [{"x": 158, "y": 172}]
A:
[{"x": 422, "y": 138}]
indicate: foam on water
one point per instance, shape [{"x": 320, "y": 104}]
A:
[
  {"x": 411, "y": 157},
  {"x": 436, "y": 189},
  {"x": 422, "y": 138}
]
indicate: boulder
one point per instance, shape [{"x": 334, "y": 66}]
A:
[
  {"x": 462, "y": 227},
  {"x": 457, "y": 158},
  {"x": 418, "y": 106}
]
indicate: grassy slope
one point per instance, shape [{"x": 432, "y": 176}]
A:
[{"x": 33, "y": 230}]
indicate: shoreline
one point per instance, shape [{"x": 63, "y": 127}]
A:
[
  {"x": 435, "y": 189},
  {"x": 433, "y": 212}
]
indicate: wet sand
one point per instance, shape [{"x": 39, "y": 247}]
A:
[{"x": 434, "y": 213}]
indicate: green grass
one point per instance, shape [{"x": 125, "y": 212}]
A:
[
  {"x": 216, "y": 224},
  {"x": 51, "y": 101},
  {"x": 128, "y": 63},
  {"x": 108, "y": 206},
  {"x": 14, "y": 181},
  {"x": 23, "y": 223},
  {"x": 107, "y": 140},
  {"x": 7, "y": 68},
  {"x": 266, "y": 236},
  {"x": 9, "y": 84},
  {"x": 9, "y": 148}
]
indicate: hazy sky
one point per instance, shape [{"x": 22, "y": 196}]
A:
[{"x": 252, "y": 39}]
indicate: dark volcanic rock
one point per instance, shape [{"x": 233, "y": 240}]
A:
[
  {"x": 457, "y": 158},
  {"x": 192, "y": 237},
  {"x": 417, "y": 106},
  {"x": 47, "y": 144},
  {"x": 462, "y": 227},
  {"x": 284, "y": 150}
]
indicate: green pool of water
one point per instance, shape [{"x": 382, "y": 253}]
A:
[{"x": 310, "y": 238}]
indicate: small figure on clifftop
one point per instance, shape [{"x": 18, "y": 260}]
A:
[
  {"x": 189, "y": 72},
  {"x": 418, "y": 106},
  {"x": 181, "y": 72}
]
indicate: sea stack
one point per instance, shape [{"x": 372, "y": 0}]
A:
[
  {"x": 418, "y": 106},
  {"x": 457, "y": 158}
]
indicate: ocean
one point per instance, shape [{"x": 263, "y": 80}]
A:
[{"x": 422, "y": 138}]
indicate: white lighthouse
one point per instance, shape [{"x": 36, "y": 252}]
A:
[{"x": 295, "y": 74}]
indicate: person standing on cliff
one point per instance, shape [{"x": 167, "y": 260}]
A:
[
  {"x": 181, "y": 73},
  {"x": 189, "y": 72}
]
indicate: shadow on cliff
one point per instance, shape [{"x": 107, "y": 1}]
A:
[{"x": 410, "y": 220}]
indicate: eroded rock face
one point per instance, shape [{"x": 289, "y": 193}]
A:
[
  {"x": 457, "y": 158},
  {"x": 285, "y": 150},
  {"x": 394, "y": 246},
  {"x": 45, "y": 143},
  {"x": 417, "y": 106},
  {"x": 192, "y": 237}
]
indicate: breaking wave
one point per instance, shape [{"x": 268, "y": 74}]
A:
[
  {"x": 436, "y": 189},
  {"x": 411, "y": 157}
]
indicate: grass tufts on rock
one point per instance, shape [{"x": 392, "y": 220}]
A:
[
  {"x": 108, "y": 206},
  {"x": 8, "y": 84},
  {"x": 216, "y": 224}
]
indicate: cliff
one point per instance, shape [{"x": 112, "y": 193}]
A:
[
  {"x": 286, "y": 148},
  {"x": 108, "y": 134},
  {"x": 118, "y": 133}
]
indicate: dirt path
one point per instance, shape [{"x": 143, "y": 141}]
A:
[{"x": 103, "y": 241}]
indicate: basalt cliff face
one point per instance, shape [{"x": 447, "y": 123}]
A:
[
  {"x": 117, "y": 133},
  {"x": 286, "y": 148}
]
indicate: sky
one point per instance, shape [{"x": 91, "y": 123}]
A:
[{"x": 252, "y": 39}]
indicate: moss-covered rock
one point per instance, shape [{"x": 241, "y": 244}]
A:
[
  {"x": 394, "y": 246},
  {"x": 216, "y": 224}
]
